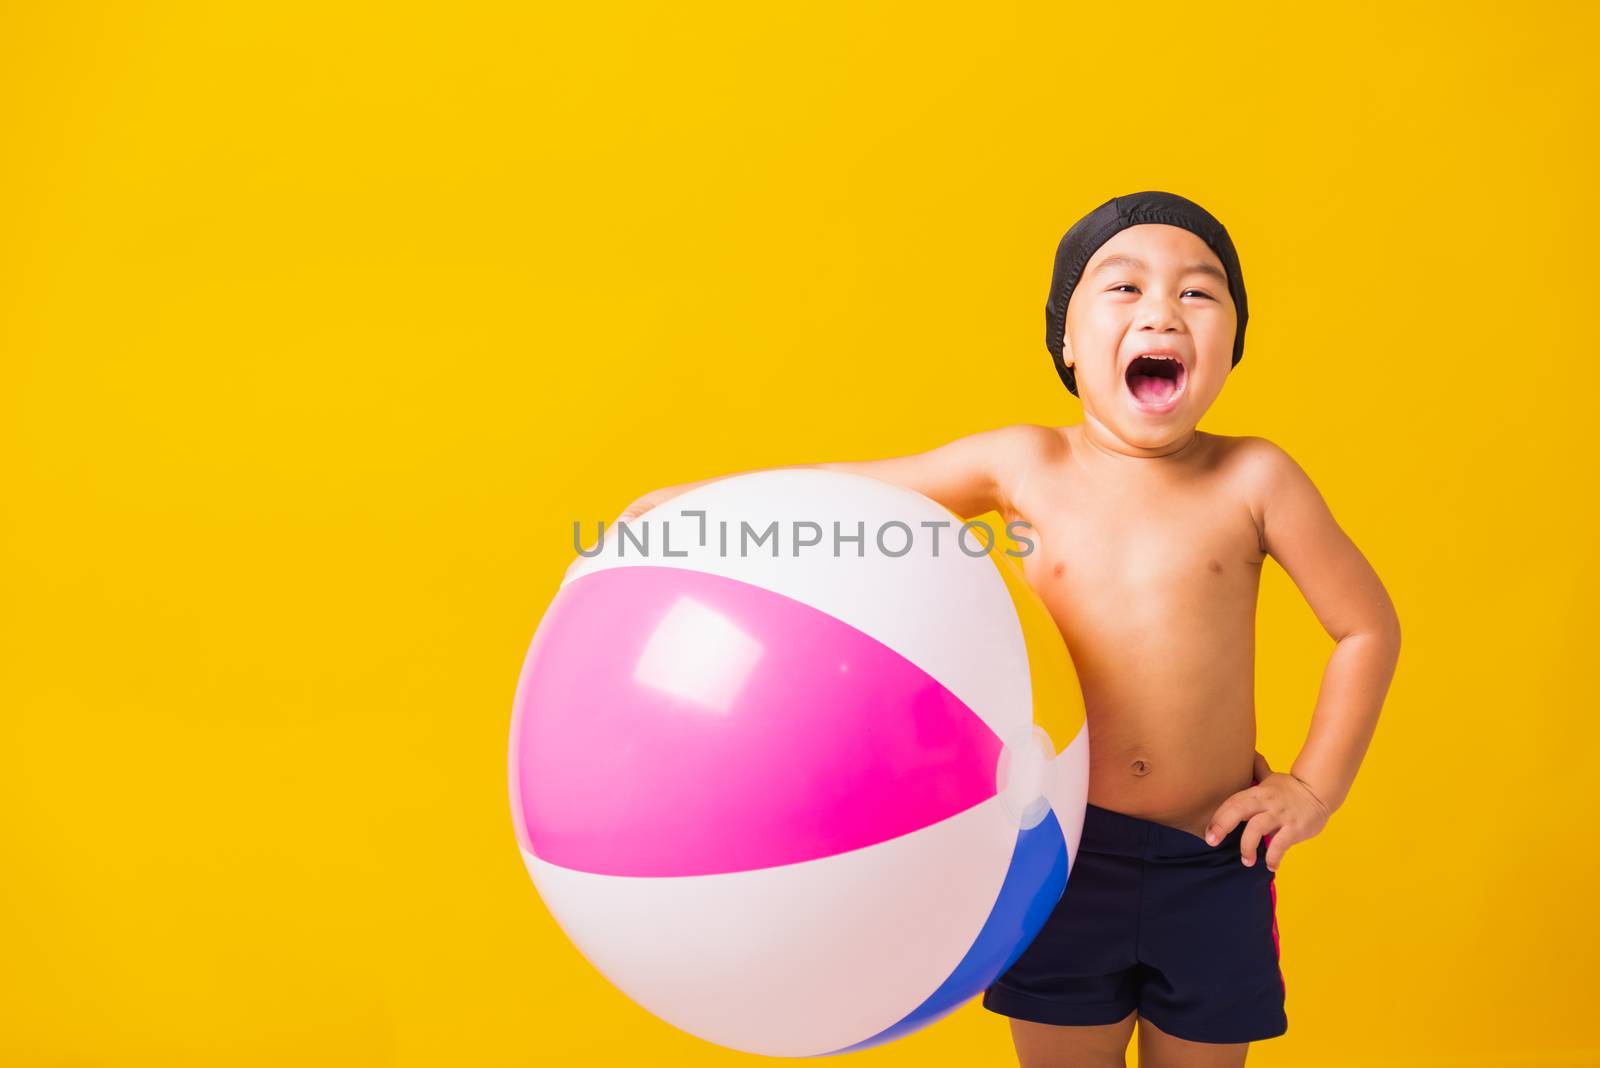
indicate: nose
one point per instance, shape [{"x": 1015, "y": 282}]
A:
[{"x": 1156, "y": 312}]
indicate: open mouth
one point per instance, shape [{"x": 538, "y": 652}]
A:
[{"x": 1156, "y": 381}]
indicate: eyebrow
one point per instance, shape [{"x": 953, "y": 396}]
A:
[{"x": 1139, "y": 265}]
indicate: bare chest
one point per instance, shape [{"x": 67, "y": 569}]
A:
[
  {"x": 1153, "y": 580},
  {"x": 1152, "y": 577},
  {"x": 1143, "y": 554}
]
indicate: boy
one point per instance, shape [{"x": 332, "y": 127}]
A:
[{"x": 1150, "y": 536}]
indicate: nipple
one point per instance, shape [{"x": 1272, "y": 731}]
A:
[{"x": 1141, "y": 767}]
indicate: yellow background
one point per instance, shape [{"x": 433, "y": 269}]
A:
[{"x": 320, "y": 324}]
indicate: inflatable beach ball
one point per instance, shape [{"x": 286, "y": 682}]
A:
[{"x": 784, "y": 761}]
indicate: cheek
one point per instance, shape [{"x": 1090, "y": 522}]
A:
[
  {"x": 1105, "y": 320},
  {"x": 1213, "y": 338},
  {"x": 1208, "y": 378},
  {"x": 1218, "y": 329},
  {"x": 1102, "y": 372},
  {"x": 1098, "y": 339}
]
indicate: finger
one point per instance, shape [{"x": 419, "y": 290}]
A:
[
  {"x": 1277, "y": 847},
  {"x": 1241, "y": 806},
  {"x": 1228, "y": 817},
  {"x": 1250, "y": 842}
]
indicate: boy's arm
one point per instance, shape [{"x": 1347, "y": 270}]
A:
[
  {"x": 1342, "y": 589},
  {"x": 970, "y": 475}
]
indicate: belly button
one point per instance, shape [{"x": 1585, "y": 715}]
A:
[
  {"x": 1140, "y": 767},
  {"x": 1214, "y": 566}
]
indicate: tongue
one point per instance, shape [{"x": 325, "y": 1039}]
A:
[{"x": 1153, "y": 389}]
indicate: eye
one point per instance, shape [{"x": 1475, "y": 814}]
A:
[{"x": 1130, "y": 285}]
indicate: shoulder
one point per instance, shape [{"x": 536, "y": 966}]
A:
[
  {"x": 1036, "y": 439},
  {"x": 1017, "y": 446},
  {"x": 1033, "y": 445},
  {"x": 1020, "y": 450},
  {"x": 1263, "y": 472},
  {"x": 1257, "y": 462}
]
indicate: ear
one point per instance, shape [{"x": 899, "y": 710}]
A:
[{"x": 1066, "y": 353}]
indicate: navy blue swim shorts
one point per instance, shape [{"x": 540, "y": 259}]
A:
[{"x": 1155, "y": 919}]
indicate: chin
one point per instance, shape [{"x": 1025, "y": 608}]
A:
[
  {"x": 1154, "y": 437},
  {"x": 1143, "y": 431}
]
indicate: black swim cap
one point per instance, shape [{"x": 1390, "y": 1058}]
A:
[{"x": 1109, "y": 219}]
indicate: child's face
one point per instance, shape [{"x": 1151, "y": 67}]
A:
[{"x": 1120, "y": 309}]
